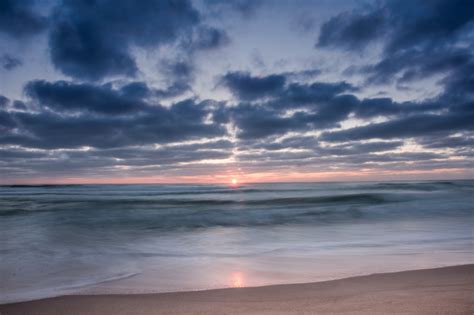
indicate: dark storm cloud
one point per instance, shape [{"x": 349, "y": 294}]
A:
[
  {"x": 302, "y": 75},
  {"x": 269, "y": 144},
  {"x": 92, "y": 39},
  {"x": 321, "y": 160},
  {"x": 297, "y": 94},
  {"x": 9, "y": 62},
  {"x": 69, "y": 97},
  {"x": 134, "y": 90},
  {"x": 4, "y": 101},
  {"x": 123, "y": 126},
  {"x": 248, "y": 87},
  {"x": 17, "y": 161},
  {"x": 175, "y": 89},
  {"x": 180, "y": 76},
  {"x": 321, "y": 105},
  {"x": 260, "y": 121},
  {"x": 386, "y": 107},
  {"x": 136, "y": 156},
  {"x": 352, "y": 30},
  {"x": 257, "y": 121},
  {"x": 331, "y": 113},
  {"x": 9, "y": 155},
  {"x": 465, "y": 141},
  {"x": 412, "y": 126},
  {"x": 420, "y": 22},
  {"x": 74, "y": 115},
  {"x": 361, "y": 148},
  {"x": 420, "y": 38},
  {"x": 378, "y": 107},
  {"x": 391, "y": 157},
  {"x": 313, "y": 144},
  {"x": 318, "y": 105},
  {"x": 19, "y": 19},
  {"x": 7, "y": 104},
  {"x": 411, "y": 65},
  {"x": 459, "y": 85},
  {"x": 19, "y": 105},
  {"x": 325, "y": 108},
  {"x": 412, "y": 23}
]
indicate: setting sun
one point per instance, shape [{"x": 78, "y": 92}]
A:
[
  {"x": 237, "y": 280},
  {"x": 234, "y": 181}
]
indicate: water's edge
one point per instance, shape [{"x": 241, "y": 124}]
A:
[{"x": 92, "y": 293}]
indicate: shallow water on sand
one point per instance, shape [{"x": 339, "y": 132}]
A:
[{"x": 156, "y": 238}]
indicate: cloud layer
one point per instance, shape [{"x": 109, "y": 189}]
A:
[{"x": 106, "y": 116}]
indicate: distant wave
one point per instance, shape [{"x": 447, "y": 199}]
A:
[
  {"x": 21, "y": 205},
  {"x": 423, "y": 186},
  {"x": 42, "y": 186},
  {"x": 351, "y": 198},
  {"x": 155, "y": 207}
]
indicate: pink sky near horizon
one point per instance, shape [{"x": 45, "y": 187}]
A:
[{"x": 264, "y": 177}]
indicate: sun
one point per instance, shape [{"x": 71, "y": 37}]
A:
[
  {"x": 234, "y": 181},
  {"x": 237, "y": 280}
]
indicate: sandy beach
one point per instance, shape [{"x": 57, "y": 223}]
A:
[{"x": 447, "y": 290}]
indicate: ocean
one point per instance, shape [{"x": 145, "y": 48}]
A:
[{"x": 93, "y": 239}]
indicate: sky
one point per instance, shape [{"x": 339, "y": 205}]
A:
[{"x": 208, "y": 91}]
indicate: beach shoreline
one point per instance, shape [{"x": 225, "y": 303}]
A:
[{"x": 438, "y": 290}]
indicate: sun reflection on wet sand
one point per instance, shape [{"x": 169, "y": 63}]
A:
[{"x": 237, "y": 280}]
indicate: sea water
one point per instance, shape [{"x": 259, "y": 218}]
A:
[{"x": 93, "y": 239}]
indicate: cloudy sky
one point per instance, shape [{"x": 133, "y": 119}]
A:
[{"x": 205, "y": 91}]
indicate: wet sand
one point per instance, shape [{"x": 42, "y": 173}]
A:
[{"x": 448, "y": 290}]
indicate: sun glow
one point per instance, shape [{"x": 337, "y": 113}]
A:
[
  {"x": 237, "y": 280},
  {"x": 234, "y": 181}
]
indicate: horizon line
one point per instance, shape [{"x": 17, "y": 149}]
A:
[{"x": 241, "y": 183}]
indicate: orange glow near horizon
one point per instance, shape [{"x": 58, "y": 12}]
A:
[{"x": 259, "y": 177}]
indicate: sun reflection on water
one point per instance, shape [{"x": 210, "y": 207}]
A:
[{"x": 237, "y": 280}]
